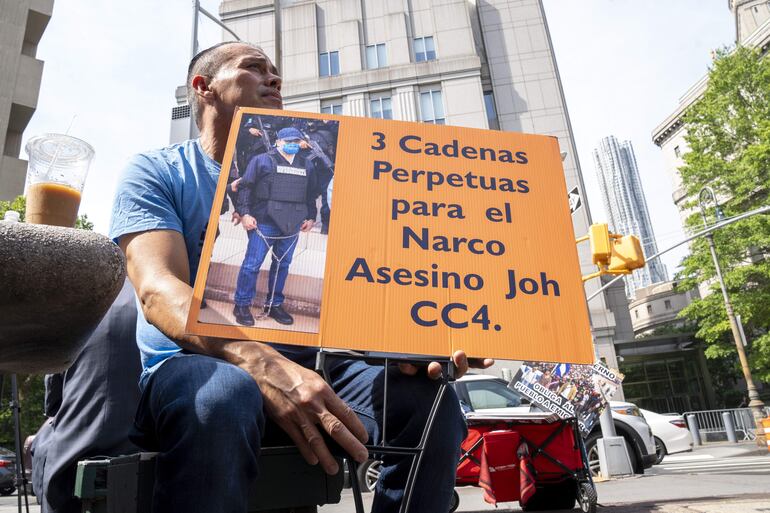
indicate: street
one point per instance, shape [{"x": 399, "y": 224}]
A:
[{"x": 717, "y": 478}]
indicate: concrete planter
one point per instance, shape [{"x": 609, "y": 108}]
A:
[{"x": 56, "y": 284}]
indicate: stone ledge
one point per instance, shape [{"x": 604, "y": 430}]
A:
[{"x": 57, "y": 284}]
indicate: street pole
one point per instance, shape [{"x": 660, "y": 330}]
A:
[
  {"x": 755, "y": 403},
  {"x": 197, "y": 11},
  {"x": 606, "y": 422},
  {"x": 21, "y": 479},
  {"x": 193, "y": 52},
  {"x": 277, "y": 32}
]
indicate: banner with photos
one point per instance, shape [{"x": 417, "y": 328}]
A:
[{"x": 568, "y": 390}]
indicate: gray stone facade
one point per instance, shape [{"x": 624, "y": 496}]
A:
[
  {"x": 492, "y": 66},
  {"x": 22, "y": 23}
]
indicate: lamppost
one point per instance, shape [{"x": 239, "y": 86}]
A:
[
  {"x": 197, "y": 10},
  {"x": 755, "y": 403}
]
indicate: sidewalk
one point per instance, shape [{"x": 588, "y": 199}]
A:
[{"x": 740, "y": 504}]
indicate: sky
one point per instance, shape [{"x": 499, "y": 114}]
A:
[{"x": 111, "y": 69}]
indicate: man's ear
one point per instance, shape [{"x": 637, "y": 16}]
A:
[{"x": 201, "y": 87}]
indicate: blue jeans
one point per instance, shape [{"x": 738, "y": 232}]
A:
[
  {"x": 256, "y": 251},
  {"x": 206, "y": 419}
]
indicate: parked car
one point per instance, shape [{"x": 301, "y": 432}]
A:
[
  {"x": 670, "y": 432},
  {"x": 7, "y": 472},
  {"x": 481, "y": 393}
]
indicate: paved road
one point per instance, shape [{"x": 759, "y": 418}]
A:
[
  {"x": 718, "y": 478},
  {"x": 737, "y": 475},
  {"x": 709, "y": 464}
]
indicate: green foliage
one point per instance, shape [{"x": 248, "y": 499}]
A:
[
  {"x": 31, "y": 397},
  {"x": 31, "y": 389},
  {"x": 18, "y": 204},
  {"x": 728, "y": 134}
]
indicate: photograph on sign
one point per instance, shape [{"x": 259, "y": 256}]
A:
[
  {"x": 440, "y": 238},
  {"x": 267, "y": 263},
  {"x": 568, "y": 390}
]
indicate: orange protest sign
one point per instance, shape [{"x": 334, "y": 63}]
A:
[{"x": 439, "y": 238}]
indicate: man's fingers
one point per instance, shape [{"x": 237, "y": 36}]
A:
[
  {"x": 318, "y": 446},
  {"x": 461, "y": 362},
  {"x": 345, "y": 413},
  {"x": 434, "y": 370},
  {"x": 480, "y": 363},
  {"x": 299, "y": 440},
  {"x": 342, "y": 435}
]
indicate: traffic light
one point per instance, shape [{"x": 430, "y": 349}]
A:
[
  {"x": 627, "y": 254},
  {"x": 612, "y": 253},
  {"x": 601, "y": 246}
]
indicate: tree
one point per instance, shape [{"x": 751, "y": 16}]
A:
[
  {"x": 728, "y": 134},
  {"x": 31, "y": 388}
]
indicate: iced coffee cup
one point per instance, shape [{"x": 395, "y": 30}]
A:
[{"x": 58, "y": 166}]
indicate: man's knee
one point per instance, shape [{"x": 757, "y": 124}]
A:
[
  {"x": 413, "y": 415},
  {"x": 209, "y": 394}
]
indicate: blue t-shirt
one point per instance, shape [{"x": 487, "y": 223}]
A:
[
  {"x": 172, "y": 189},
  {"x": 168, "y": 189}
]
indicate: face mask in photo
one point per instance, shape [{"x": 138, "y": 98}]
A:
[{"x": 291, "y": 148}]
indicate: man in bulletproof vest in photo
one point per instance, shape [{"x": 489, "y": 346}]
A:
[{"x": 276, "y": 200}]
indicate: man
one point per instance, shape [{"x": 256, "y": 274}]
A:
[
  {"x": 204, "y": 400},
  {"x": 276, "y": 200}
]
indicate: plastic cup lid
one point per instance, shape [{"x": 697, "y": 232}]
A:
[{"x": 64, "y": 148}]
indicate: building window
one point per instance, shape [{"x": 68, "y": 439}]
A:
[
  {"x": 381, "y": 108},
  {"x": 677, "y": 151},
  {"x": 432, "y": 107},
  {"x": 636, "y": 313},
  {"x": 649, "y": 309},
  {"x": 489, "y": 105},
  {"x": 667, "y": 304},
  {"x": 424, "y": 49},
  {"x": 329, "y": 64},
  {"x": 376, "y": 56},
  {"x": 331, "y": 107}
]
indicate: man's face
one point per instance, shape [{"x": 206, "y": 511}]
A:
[{"x": 247, "y": 79}]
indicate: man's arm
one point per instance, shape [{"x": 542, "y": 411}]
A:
[{"x": 297, "y": 399}]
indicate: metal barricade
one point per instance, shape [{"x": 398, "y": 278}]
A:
[{"x": 712, "y": 425}]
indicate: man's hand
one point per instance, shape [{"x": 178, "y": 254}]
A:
[
  {"x": 296, "y": 398},
  {"x": 299, "y": 401},
  {"x": 307, "y": 225},
  {"x": 248, "y": 222},
  {"x": 304, "y": 144},
  {"x": 236, "y": 218},
  {"x": 460, "y": 359},
  {"x": 235, "y": 183}
]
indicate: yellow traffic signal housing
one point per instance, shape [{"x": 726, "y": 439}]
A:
[
  {"x": 627, "y": 254},
  {"x": 601, "y": 246}
]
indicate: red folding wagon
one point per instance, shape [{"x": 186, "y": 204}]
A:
[{"x": 536, "y": 459}]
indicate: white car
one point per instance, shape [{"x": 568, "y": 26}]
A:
[{"x": 670, "y": 432}]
